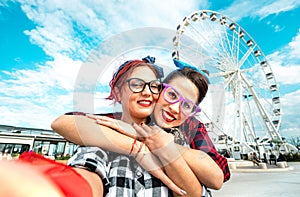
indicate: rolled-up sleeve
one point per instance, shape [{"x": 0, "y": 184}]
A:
[{"x": 93, "y": 159}]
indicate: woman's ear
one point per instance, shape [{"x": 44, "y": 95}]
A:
[{"x": 117, "y": 93}]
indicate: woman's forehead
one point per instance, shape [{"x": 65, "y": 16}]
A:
[
  {"x": 185, "y": 87},
  {"x": 143, "y": 72}
]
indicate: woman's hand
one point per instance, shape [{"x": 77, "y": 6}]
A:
[
  {"x": 117, "y": 125},
  {"x": 151, "y": 163},
  {"x": 159, "y": 142},
  {"x": 154, "y": 137}
]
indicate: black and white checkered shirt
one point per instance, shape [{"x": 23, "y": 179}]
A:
[{"x": 121, "y": 174}]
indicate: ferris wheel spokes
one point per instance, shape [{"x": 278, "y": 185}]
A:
[{"x": 234, "y": 60}]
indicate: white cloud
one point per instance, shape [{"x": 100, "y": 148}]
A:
[
  {"x": 295, "y": 46},
  {"x": 37, "y": 112},
  {"x": 234, "y": 10},
  {"x": 259, "y": 9},
  {"x": 286, "y": 73},
  {"x": 277, "y": 28},
  {"x": 291, "y": 118},
  {"x": 275, "y": 7},
  {"x": 288, "y": 101},
  {"x": 58, "y": 22},
  {"x": 35, "y": 97},
  {"x": 59, "y": 73},
  {"x": 67, "y": 32},
  {"x": 54, "y": 32},
  {"x": 285, "y": 63}
]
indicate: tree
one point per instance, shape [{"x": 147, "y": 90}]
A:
[{"x": 295, "y": 141}]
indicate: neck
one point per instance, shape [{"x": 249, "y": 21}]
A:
[{"x": 129, "y": 119}]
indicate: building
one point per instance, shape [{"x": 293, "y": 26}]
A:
[{"x": 15, "y": 140}]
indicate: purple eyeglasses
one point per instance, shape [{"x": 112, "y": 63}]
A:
[{"x": 171, "y": 95}]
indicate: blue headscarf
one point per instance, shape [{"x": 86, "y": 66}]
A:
[{"x": 181, "y": 65}]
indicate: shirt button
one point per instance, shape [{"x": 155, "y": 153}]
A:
[{"x": 138, "y": 173}]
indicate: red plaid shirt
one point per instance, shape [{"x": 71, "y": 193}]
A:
[{"x": 198, "y": 138}]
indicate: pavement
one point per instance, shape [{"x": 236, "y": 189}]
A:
[
  {"x": 252, "y": 181},
  {"x": 249, "y": 166}
]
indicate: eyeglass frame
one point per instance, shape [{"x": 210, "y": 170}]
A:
[
  {"x": 181, "y": 99},
  {"x": 145, "y": 83}
]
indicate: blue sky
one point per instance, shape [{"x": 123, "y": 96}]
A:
[{"x": 45, "y": 43}]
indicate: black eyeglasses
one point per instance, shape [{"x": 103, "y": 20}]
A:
[{"x": 137, "y": 85}]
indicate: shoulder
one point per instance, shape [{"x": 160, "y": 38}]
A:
[
  {"x": 192, "y": 124},
  {"x": 116, "y": 115}
]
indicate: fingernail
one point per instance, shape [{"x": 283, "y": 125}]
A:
[{"x": 183, "y": 192}]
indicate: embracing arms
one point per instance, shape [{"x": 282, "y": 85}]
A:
[
  {"x": 174, "y": 157},
  {"x": 82, "y": 130},
  {"x": 203, "y": 166}
]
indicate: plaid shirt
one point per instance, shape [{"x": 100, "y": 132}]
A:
[{"x": 198, "y": 138}]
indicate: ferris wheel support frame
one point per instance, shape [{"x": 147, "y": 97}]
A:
[
  {"x": 240, "y": 105},
  {"x": 272, "y": 129}
]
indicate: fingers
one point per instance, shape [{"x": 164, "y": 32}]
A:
[
  {"x": 105, "y": 118},
  {"x": 168, "y": 182},
  {"x": 146, "y": 131},
  {"x": 107, "y": 124},
  {"x": 92, "y": 116},
  {"x": 150, "y": 163},
  {"x": 141, "y": 131},
  {"x": 102, "y": 118}
]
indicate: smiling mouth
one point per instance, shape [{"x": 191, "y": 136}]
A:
[
  {"x": 168, "y": 117},
  {"x": 145, "y": 103}
]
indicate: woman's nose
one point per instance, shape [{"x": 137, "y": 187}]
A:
[
  {"x": 146, "y": 90},
  {"x": 175, "y": 107}
]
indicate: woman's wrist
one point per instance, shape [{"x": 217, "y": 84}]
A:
[
  {"x": 138, "y": 147},
  {"x": 132, "y": 146},
  {"x": 168, "y": 153}
]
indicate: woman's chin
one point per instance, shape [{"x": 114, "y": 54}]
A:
[{"x": 163, "y": 124}]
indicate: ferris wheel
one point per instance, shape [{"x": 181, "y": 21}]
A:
[{"x": 250, "y": 104}]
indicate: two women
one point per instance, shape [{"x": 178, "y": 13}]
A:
[{"x": 137, "y": 106}]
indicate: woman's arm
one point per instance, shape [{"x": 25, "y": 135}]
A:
[
  {"x": 203, "y": 166},
  {"x": 199, "y": 139},
  {"x": 118, "y": 125},
  {"x": 162, "y": 144},
  {"x": 84, "y": 131}
]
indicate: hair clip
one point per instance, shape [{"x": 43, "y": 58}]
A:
[{"x": 149, "y": 59}]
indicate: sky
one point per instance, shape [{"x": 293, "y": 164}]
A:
[{"x": 46, "y": 45}]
